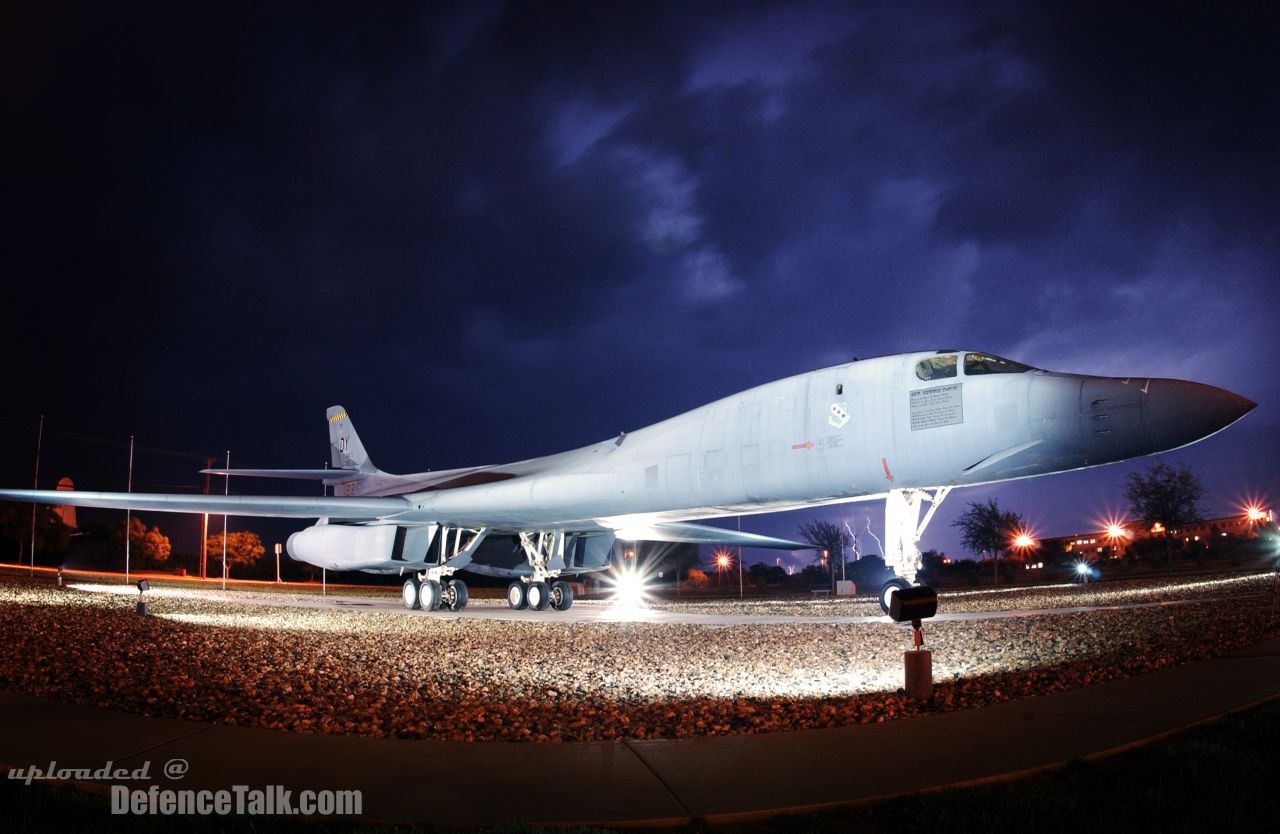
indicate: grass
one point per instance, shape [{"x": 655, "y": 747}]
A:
[{"x": 1216, "y": 777}]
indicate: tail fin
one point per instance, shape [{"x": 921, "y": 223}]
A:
[{"x": 345, "y": 449}]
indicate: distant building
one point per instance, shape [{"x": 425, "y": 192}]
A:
[{"x": 1112, "y": 542}]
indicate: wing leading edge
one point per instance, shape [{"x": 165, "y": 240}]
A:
[{"x": 274, "y": 506}]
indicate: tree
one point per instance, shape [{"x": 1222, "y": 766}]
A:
[
  {"x": 1167, "y": 496},
  {"x": 52, "y": 535},
  {"x": 828, "y": 537},
  {"x": 985, "y": 528},
  {"x": 243, "y": 547},
  {"x": 149, "y": 545}
]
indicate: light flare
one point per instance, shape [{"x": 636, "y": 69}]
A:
[{"x": 630, "y": 585}]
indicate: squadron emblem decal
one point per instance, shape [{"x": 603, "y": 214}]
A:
[{"x": 839, "y": 415}]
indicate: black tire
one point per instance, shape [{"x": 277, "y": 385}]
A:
[
  {"x": 409, "y": 594},
  {"x": 887, "y": 589},
  {"x": 460, "y": 595},
  {"x": 561, "y": 595},
  {"x": 539, "y": 596},
  {"x": 429, "y": 595},
  {"x": 517, "y": 599}
]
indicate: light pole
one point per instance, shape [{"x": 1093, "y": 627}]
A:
[
  {"x": 1022, "y": 542},
  {"x": 277, "y": 563},
  {"x": 128, "y": 514},
  {"x": 739, "y": 560},
  {"x": 1115, "y": 532},
  {"x": 35, "y": 485},
  {"x": 722, "y": 564},
  {"x": 226, "y": 490}
]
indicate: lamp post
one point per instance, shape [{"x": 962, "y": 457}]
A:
[
  {"x": 739, "y": 560},
  {"x": 226, "y": 490},
  {"x": 128, "y": 515},
  {"x": 722, "y": 564},
  {"x": 1022, "y": 542},
  {"x": 277, "y": 563},
  {"x": 1115, "y": 532},
  {"x": 35, "y": 485}
]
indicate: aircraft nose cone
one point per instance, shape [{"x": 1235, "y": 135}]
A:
[{"x": 1177, "y": 412}]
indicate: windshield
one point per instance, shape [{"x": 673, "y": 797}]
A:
[
  {"x": 936, "y": 367},
  {"x": 976, "y": 364}
]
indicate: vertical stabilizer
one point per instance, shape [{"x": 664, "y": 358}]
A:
[{"x": 345, "y": 449}]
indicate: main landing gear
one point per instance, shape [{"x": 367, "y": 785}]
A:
[
  {"x": 432, "y": 589},
  {"x": 902, "y": 536},
  {"x": 432, "y": 595},
  {"x": 543, "y": 589},
  {"x": 539, "y": 596}
]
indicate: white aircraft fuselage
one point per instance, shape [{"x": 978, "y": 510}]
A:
[
  {"x": 848, "y": 432},
  {"x": 907, "y": 427}
]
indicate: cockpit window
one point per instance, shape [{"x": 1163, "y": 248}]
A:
[
  {"x": 936, "y": 367},
  {"x": 976, "y": 364}
]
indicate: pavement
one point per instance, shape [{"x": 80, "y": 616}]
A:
[
  {"x": 593, "y": 611},
  {"x": 647, "y": 783}
]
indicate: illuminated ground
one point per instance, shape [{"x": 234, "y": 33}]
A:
[{"x": 366, "y": 666}]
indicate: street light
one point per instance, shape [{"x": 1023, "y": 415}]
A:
[
  {"x": 723, "y": 560},
  {"x": 1115, "y": 533}
]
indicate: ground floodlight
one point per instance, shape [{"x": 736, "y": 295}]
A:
[
  {"x": 143, "y": 586},
  {"x": 629, "y": 587},
  {"x": 913, "y": 604},
  {"x": 1082, "y": 569}
]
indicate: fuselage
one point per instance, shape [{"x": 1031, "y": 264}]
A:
[{"x": 848, "y": 432}]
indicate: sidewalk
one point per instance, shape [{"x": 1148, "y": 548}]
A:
[{"x": 647, "y": 782}]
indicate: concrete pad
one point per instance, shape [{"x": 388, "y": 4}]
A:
[
  {"x": 427, "y": 781},
  {"x": 35, "y": 731}
]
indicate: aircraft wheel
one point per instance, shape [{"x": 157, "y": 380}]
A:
[
  {"x": 561, "y": 595},
  {"x": 409, "y": 594},
  {"x": 429, "y": 595},
  {"x": 888, "y": 588},
  {"x": 539, "y": 596},
  {"x": 516, "y": 597},
  {"x": 460, "y": 595}
]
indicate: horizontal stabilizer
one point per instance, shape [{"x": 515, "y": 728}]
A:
[
  {"x": 296, "y": 474},
  {"x": 687, "y": 532},
  {"x": 277, "y": 506}
]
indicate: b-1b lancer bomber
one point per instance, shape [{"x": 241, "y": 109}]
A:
[{"x": 908, "y": 428}]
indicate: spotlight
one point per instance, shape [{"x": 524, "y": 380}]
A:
[
  {"x": 143, "y": 586},
  {"x": 629, "y": 587}
]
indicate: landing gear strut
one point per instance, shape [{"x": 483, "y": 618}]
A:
[
  {"x": 542, "y": 589},
  {"x": 432, "y": 589},
  {"x": 902, "y": 535}
]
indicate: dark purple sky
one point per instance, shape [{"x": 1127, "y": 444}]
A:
[{"x": 493, "y": 232}]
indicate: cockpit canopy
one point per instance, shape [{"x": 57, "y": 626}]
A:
[{"x": 946, "y": 366}]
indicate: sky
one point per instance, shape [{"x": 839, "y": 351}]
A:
[{"x": 494, "y": 231}]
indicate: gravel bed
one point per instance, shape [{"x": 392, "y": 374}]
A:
[
  {"x": 381, "y": 673},
  {"x": 1065, "y": 595}
]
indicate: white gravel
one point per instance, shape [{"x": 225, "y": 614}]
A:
[{"x": 383, "y": 673}]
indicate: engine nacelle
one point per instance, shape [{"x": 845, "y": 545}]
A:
[{"x": 343, "y": 546}]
